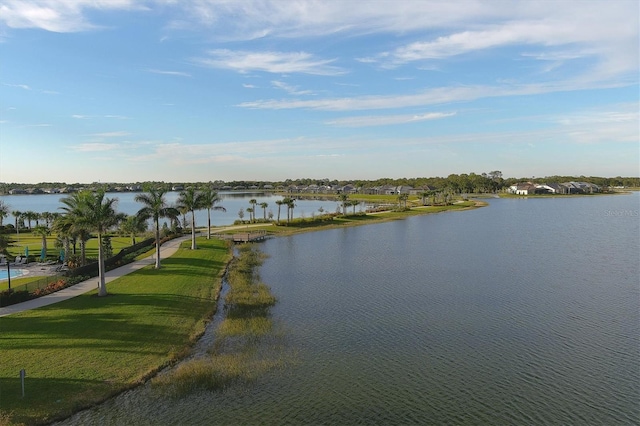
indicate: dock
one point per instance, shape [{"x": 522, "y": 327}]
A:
[{"x": 246, "y": 237}]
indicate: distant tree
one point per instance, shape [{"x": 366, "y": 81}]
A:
[
  {"x": 154, "y": 207},
  {"x": 4, "y": 211},
  {"x": 132, "y": 226},
  {"x": 43, "y": 232},
  {"x": 241, "y": 214},
  {"x": 355, "y": 203},
  {"x": 191, "y": 200},
  {"x": 402, "y": 200},
  {"x": 279, "y": 203},
  {"x": 209, "y": 200},
  {"x": 343, "y": 199},
  {"x": 253, "y": 203},
  {"x": 264, "y": 210},
  {"x": 17, "y": 215},
  {"x": 251, "y": 214}
]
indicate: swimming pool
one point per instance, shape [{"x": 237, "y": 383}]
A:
[{"x": 15, "y": 273}]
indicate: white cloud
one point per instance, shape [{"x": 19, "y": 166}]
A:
[
  {"x": 95, "y": 147},
  {"x": 111, "y": 134},
  {"x": 292, "y": 90},
  {"x": 20, "y": 86},
  {"x": 272, "y": 62},
  {"x": 173, "y": 73},
  {"x": 382, "y": 120}
]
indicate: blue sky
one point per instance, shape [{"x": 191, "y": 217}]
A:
[{"x": 134, "y": 90}]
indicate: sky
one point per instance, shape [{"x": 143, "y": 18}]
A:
[{"x": 262, "y": 90}]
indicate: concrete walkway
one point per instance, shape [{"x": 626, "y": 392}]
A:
[{"x": 166, "y": 250}]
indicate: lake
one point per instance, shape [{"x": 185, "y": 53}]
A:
[{"x": 522, "y": 312}]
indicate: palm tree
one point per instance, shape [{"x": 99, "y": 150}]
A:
[
  {"x": 17, "y": 215},
  {"x": 4, "y": 211},
  {"x": 190, "y": 200},
  {"x": 71, "y": 209},
  {"x": 30, "y": 216},
  {"x": 253, "y": 203},
  {"x": 402, "y": 199},
  {"x": 264, "y": 210},
  {"x": 355, "y": 203},
  {"x": 133, "y": 225},
  {"x": 279, "y": 203},
  {"x": 209, "y": 200},
  {"x": 97, "y": 213},
  {"x": 43, "y": 231},
  {"x": 344, "y": 198},
  {"x": 251, "y": 214},
  {"x": 155, "y": 207},
  {"x": 63, "y": 226}
]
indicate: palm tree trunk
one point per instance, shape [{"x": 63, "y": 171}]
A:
[
  {"x": 193, "y": 230},
  {"x": 102, "y": 288},
  {"x": 208, "y": 224},
  {"x": 157, "y": 244}
]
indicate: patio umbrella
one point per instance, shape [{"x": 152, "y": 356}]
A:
[
  {"x": 43, "y": 254},
  {"x": 61, "y": 255},
  {"x": 26, "y": 251}
]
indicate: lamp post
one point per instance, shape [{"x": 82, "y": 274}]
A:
[{"x": 8, "y": 274}]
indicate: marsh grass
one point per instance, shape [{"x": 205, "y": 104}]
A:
[{"x": 247, "y": 343}]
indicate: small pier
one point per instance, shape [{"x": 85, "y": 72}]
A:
[{"x": 246, "y": 237}]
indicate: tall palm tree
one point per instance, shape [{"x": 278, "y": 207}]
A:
[
  {"x": 253, "y": 203},
  {"x": 43, "y": 231},
  {"x": 17, "y": 215},
  {"x": 77, "y": 231},
  {"x": 264, "y": 210},
  {"x": 30, "y": 216},
  {"x": 209, "y": 200},
  {"x": 344, "y": 198},
  {"x": 97, "y": 213},
  {"x": 4, "y": 211},
  {"x": 154, "y": 207},
  {"x": 279, "y": 203},
  {"x": 63, "y": 226},
  {"x": 190, "y": 200}
]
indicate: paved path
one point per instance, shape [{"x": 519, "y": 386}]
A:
[{"x": 166, "y": 250}]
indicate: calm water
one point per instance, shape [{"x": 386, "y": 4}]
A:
[
  {"x": 231, "y": 201},
  {"x": 524, "y": 312}
]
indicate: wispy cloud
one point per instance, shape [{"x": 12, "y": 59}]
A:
[
  {"x": 173, "y": 73},
  {"x": 440, "y": 95},
  {"x": 382, "y": 120},
  {"x": 292, "y": 90},
  {"x": 111, "y": 134},
  {"x": 95, "y": 147},
  {"x": 269, "y": 61},
  {"x": 20, "y": 86}
]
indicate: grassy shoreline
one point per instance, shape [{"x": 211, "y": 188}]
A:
[{"x": 82, "y": 351}]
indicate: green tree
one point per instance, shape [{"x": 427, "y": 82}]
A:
[
  {"x": 154, "y": 207},
  {"x": 210, "y": 199},
  {"x": 253, "y": 203},
  {"x": 191, "y": 200},
  {"x": 78, "y": 231},
  {"x": 132, "y": 226},
  {"x": 97, "y": 213},
  {"x": 4, "y": 211},
  {"x": 264, "y": 210},
  {"x": 343, "y": 199},
  {"x": 17, "y": 215},
  {"x": 279, "y": 203},
  {"x": 63, "y": 226},
  {"x": 43, "y": 232}
]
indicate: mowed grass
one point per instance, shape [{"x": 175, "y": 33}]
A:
[{"x": 83, "y": 350}]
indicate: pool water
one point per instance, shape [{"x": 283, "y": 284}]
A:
[{"x": 15, "y": 273}]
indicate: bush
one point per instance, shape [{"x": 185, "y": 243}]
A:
[{"x": 11, "y": 297}]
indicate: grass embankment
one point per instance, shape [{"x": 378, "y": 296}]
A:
[
  {"x": 246, "y": 343},
  {"x": 316, "y": 224},
  {"x": 84, "y": 350}
]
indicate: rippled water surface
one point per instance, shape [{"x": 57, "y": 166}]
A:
[{"x": 524, "y": 312}]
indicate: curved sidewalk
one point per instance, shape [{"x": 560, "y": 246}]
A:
[{"x": 167, "y": 249}]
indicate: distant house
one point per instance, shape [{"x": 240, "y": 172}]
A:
[{"x": 522, "y": 189}]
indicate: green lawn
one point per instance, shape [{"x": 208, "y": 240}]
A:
[
  {"x": 86, "y": 349},
  {"x": 28, "y": 239}
]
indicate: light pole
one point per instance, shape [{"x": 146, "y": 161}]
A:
[{"x": 8, "y": 274}]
